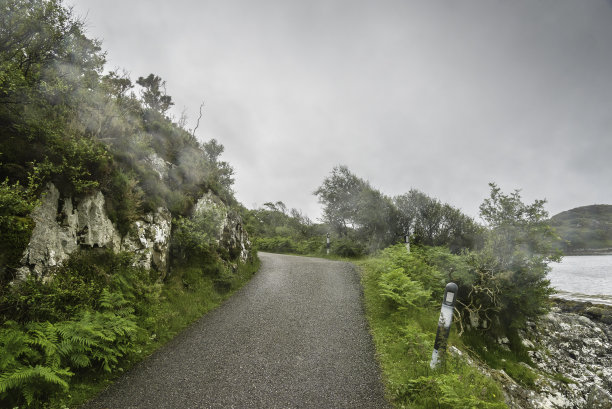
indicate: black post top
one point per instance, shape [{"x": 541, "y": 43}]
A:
[{"x": 450, "y": 294}]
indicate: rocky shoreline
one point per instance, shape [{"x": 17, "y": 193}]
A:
[{"x": 571, "y": 348}]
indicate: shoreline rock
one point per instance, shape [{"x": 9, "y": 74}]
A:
[{"x": 572, "y": 351}]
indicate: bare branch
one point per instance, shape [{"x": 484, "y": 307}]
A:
[{"x": 198, "y": 121}]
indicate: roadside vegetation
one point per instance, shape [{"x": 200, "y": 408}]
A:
[
  {"x": 500, "y": 267},
  {"x": 65, "y": 120},
  {"x": 63, "y": 341}
]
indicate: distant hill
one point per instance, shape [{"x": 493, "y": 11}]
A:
[{"x": 587, "y": 229}]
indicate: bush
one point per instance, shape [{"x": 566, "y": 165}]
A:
[
  {"x": 194, "y": 240},
  {"x": 507, "y": 283},
  {"x": 403, "y": 293},
  {"x": 347, "y": 248},
  {"x": 16, "y": 204},
  {"x": 276, "y": 244}
]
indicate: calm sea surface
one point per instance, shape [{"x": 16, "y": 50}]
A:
[{"x": 583, "y": 278}]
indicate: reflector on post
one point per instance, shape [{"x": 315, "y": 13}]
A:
[{"x": 444, "y": 322}]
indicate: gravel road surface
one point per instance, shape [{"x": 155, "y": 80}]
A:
[{"x": 294, "y": 337}]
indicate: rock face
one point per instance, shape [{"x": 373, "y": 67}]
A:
[
  {"x": 64, "y": 225},
  {"x": 149, "y": 240},
  {"x": 574, "y": 356},
  {"x": 62, "y": 228},
  {"x": 230, "y": 233}
]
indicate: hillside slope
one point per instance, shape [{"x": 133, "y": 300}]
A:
[{"x": 585, "y": 229}]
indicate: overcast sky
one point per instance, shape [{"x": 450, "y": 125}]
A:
[{"x": 441, "y": 96}]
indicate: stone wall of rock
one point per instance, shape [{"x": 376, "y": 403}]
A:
[
  {"x": 230, "y": 234},
  {"x": 149, "y": 240},
  {"x": 64, "y": 225}
]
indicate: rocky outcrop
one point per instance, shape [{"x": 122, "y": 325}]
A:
[
  {"x": 572, "y": 354},
  {"x": 64, "y": 225},
  {"x": 149, "y": 240},
  {"x": 576, "y": 352},
  {"x": 159, "y": 165},
  {"x": 230, "y": 231},
  {"x": 235, "y": 238},
  {"x": 61, "y": 228}
]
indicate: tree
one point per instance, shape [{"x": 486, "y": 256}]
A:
[
  {"x": 154, "y": 93},
  {"x": 339, "y": 195},
  {"x": 508, "y": 281},
  {"x": 435, "y": 223},
  {"x": 353, "y": 207}
]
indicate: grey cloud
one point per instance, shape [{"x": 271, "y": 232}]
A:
[{"x": 442, "y": 96}]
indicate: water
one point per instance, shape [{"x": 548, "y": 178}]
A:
[{"x": 583, "y": 278}]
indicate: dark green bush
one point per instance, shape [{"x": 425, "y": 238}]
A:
[
  {"x": 347, "y": 248},
  {"x": 275, "y": 244}
]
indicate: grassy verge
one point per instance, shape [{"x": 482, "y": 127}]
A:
[
  {"x": 63, "y": 342},
  {"x": 187, "y": 295},
  {"x": 403, "y": 316}
]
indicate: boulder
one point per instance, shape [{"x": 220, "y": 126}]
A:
[
  {"x": 230, "y": 233},
  {"x": 149, "y": 240}
]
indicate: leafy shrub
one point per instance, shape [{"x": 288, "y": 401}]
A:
[
  {"x": 347, "y": 248},
  {"x": 403, "y": 317},
  {"x": 397, "y": 287},
  {"x": 275, "y": 244},
  {"x": 38, "y": 358},
  {"x": 507, "y": 282},
  {"x": 124, "y": 201},
  {"x": 30, "y": 364},
  {"x": 16, "y": 203},
  {"x": 194, "y": 239}
]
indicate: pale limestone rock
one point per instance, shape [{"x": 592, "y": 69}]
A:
[
  {"x": 159, "y": 165},
  {"x": 209, "y": 203},
  {"x": 565, "y": 346},
  {"x": 231, "y": 233},
  {"x": 149, "y": 240},
  {"x": 95, "y": 229},
  {"x": 53, "y": 237},
  {"x": 235, "y": 238}
]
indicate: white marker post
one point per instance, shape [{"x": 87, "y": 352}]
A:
[
  {"x": 407, "y": 241},
  {"x": 444, "y": 323},
  {"x": 327, "y": 245}
]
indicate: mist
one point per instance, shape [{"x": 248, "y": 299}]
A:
[{"x": 442, "y": 97}]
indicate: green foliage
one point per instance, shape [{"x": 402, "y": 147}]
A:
[
  {"x": 289, "y": 245},
  {"x": 84, "y": 131},
  {"x": 512, "y": 358},
  {"x": 97, "y": 316},
  {"x": 433, "y": 223},
  {"x": 351, "y": 205},
  {"x": 355, "y": 210},
  {"x": 347, "y": 248},
  {"x": 38, "y": 358},
  {"x": 194, "y": 239},
  {"x": 396, "y": 286},
  {"x": 403, "y": 318},
  {"x": 124, "y": 205},
  {"x": 16, "y": 204},
  {"x": 154, "y": 93},
  {"x": 508, "y": 282}
]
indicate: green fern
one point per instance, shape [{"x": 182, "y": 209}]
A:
[{"x": 33, "y": 381}]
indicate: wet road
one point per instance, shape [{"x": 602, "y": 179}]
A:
[{"x": 294, "y": 337}]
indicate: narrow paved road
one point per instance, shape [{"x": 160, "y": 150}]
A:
[{"x": 293, "y": 337}]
